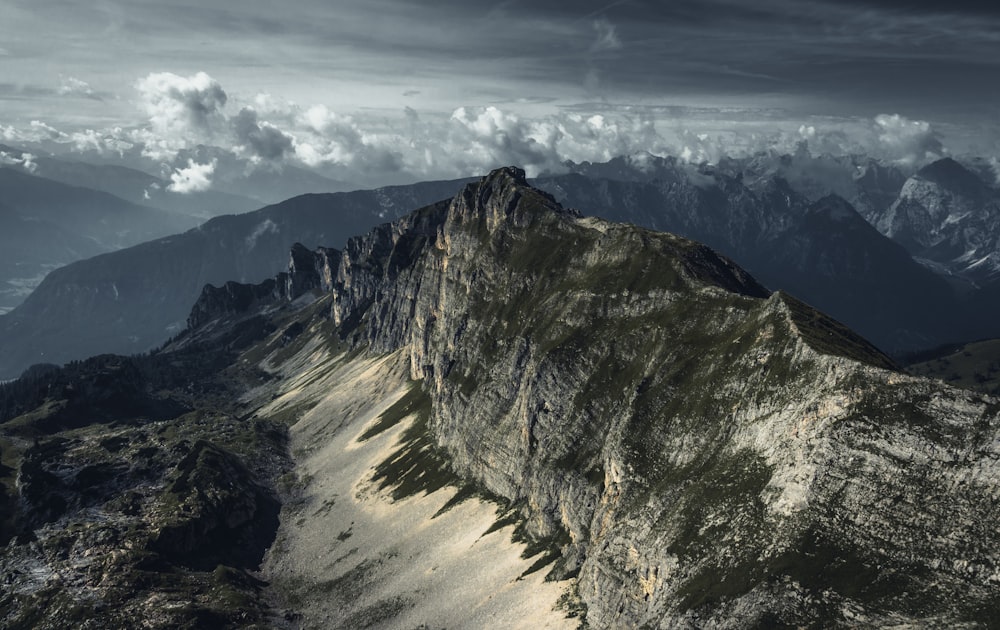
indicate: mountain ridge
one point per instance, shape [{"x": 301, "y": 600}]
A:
[{"x": 755, "y": 211}]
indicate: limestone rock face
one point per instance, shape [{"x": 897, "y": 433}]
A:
[
  {"x": 308, "y": 270},
  {"x": 710, "y": 455}
]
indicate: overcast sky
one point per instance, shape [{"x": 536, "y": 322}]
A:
[{"x": 427, "y": 88}]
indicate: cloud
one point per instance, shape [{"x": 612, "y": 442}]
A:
[
  {"x": 181, "y": 109},
  {"x": 47, "y": 131},
  {"x": 268, "y": 104},
  {"x": 25, "y": 160},
  {"x": 261, "y": 140},
  {"x": 28, "y": 162},
  {"x": 481, "y": 139},
  {"x": 195, "y": 178},
  {"x": 330, "y": 138},
  {"x": 115, "y": 140},
  {"x": 71, "y": 86},
  {"x": 906, "y": 141},
  {"x": 376, "y": 147},
  {"x": 995, "y": 167},
  {"x": 607, "y": 36},
  {"x": 152, "y": 187},
  {"x": 267, "y": 225}
]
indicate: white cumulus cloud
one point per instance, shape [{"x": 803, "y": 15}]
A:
[
  {"x": 181, "y": 110},
  {"x": 25, "y": 160},
  {"x": 260, "y": 140},
  {"x": 264, "y": 227},
  {"x": 195, "y": 178},
  {"x": 45, "y": 130},
  {"x": 908, "y": 141},
  {"x": 72, "y": 86}
]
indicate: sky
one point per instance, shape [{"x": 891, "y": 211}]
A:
[{"x": 383, "y": 91}]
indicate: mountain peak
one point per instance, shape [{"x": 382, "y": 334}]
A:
[
  {"x": 513, "y": 173},
  {"x": 952, "y": 175},
  {"x": 504, "y": 196}
]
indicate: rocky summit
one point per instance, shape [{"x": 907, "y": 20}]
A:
[{"x": 494, "y": 412}]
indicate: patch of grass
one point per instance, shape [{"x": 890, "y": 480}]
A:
[
  {"x": 974, "y": 366},
  {"x": 418, "y": 465},
  {"x": 414, "y": 401},
  {"x": 828, "y": 336},
  {"x": 465, "y": 492}
]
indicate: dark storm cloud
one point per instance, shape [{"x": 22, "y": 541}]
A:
[
  {"x": 971, "y": 7},
  {"x": 260, "y": 139},
  {"x": 856, "y": 54},
  {"x": 859, "y": 57}
]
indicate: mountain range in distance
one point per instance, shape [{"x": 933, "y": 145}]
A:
[
  {"x": 831, "y": 230},
  {"x": 59, "y": 211},
  {"x": 495, "y": 408},
  {"x": 71, "y": 209}
]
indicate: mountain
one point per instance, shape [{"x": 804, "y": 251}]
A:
[
  {"x": 140, "y": 188},
  {"x": 107, "y": 220},
  {"x": 834, "y": 259},
  {"x": 947, "y": 215},
  {"x": 31, "y": 248},
  {"x": 492, "y": 412},
  {"x": 823, "y": 252},
  {"x": 47, "y": 224},
  {"x": 132, "y": 185},
  {"x": 134, "y": 299}
]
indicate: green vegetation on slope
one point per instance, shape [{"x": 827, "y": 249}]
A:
[{"x": 972, "y": 366}]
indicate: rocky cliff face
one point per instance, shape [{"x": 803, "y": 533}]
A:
[
  {"x": 705, "y": 455},
  {"x": 308, "y": 271}
]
